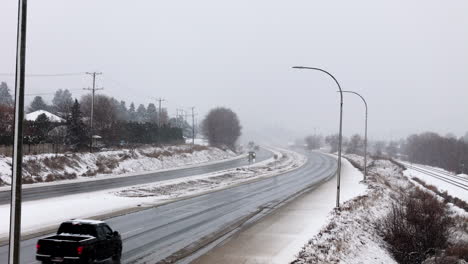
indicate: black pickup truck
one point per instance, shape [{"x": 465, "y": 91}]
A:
[{"x": 80, "y": 241}]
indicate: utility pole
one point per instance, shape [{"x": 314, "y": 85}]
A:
[
  {"x": 160, "y": 100},
  {"x": 193, "y": 125},
  {"x": 15, "y": 207},
  {"x": 93, "y": 91},
  {"x": 180, "y": 117}
]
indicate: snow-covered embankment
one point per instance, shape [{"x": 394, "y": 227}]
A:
[{"x": 76, "y": 166}]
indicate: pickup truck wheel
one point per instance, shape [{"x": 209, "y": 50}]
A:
[{"x": 116, "y": 258}]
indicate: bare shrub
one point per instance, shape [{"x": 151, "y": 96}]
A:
[
  {"x": 106, "y": 165},
  {"x": 89, "y": 173},
  {"x": 460, "y": 251},
  {"x": 27, "y": 180},
  {"x": 416, "y": 226},
  {"x": 56, "y": 176},
  {"x": 32, "y": 167},
  {"x": 56, "y": 163},
  {"x": 447, "y": 198}
]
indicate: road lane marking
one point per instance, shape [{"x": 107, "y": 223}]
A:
[{"x": 131, "y": 231}]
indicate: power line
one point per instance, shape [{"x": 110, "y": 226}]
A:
[
  {"x": 47, "y": 74},
  {"x": 35, "y": 94}
]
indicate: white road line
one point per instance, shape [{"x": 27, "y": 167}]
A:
[{"x": 131, "y": 231}]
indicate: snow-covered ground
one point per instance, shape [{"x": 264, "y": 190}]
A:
[
  {"x": 347, "y": 235},
  {"x": 320, "y": 204},
  {"x": 198, "y": 141},
  {"x": 51, "y": 167},
  {"x": 42, "y": 213},
  {"x": 443, "y": 183},
  {"x": 352, "y": 235},
  {"x": 278, "y": 237}
]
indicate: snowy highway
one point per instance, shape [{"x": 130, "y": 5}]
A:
[
  {"x": 177, "y": 230},
  {"x": 39, "y": 191}
]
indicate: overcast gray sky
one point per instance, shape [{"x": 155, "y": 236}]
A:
[{"x": 408, "y": 58}]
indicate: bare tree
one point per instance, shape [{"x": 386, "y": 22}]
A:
[
  {"x": 379, "y": 146},
  {"x": 222, "y": 127},
  {"x": 105, "y": 110},
  {"x": 62, "y": 102},
  {"x": 313, "y": 141},
  {"x": 355, "y": 145},
  {"x": 333, "y": 141}
]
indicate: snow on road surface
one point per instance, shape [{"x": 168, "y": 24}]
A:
[
  {"x": 48, "y": 213},
  {"x": 278, "y": 237},
  {"x": 89, "y": 166}
]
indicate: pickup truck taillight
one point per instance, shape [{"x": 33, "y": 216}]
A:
[
  {"x": 38, "y": 246},
  {"x": 79, "y": 250}
]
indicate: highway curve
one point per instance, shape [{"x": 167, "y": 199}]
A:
[{"x": 177, "y": 230}]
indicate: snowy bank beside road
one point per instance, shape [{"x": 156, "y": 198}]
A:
[
  {"x": 51, "y": 167},
  {"x": 362, "y": 230},
  {"x": 439, "y": 178},
  {"x": 42, "y": 213}
]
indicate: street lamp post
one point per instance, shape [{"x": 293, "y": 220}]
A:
[
  {"x": 365, "y": 133},
  {"x": 340, "y": 133}
]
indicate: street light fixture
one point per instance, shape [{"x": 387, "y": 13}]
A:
[
  {"x": 341, "y": 126},
  {"x": 365, "y": 133}
]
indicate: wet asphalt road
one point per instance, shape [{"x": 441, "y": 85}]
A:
[
  {"x": 155, "y": 234},
  {"x": 42, "y": 192}
]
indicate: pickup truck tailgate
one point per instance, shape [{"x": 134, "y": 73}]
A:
[{"x": 60, "y": 246}]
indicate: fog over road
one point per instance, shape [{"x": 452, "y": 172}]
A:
[{"x": 157, "y": 233}]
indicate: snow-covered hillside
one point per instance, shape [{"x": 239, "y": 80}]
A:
[{"x": 51, "y": 167}]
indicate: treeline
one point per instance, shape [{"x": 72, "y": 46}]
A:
[
  {"x": 432, "y": 149},
  {"x": 447, "y": 152},
  {"x": 113, "y": 122}
]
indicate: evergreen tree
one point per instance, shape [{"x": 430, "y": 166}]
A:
[
  {"x": 38, "y": 104},
  {"x": 5, "y": 96},
  {"x": 43, "y": 126},
  {"x": 141, "y": 114},
  {"x": 76, "y": 131},
  {"x": 132, "y": 113},
  {"x": 152, "y": 113},
  {"x": 122, "y": 112}
]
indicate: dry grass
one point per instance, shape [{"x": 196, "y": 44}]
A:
[
  {"x": 173, "y": 151},
  {"x": 447, "y": 198}
]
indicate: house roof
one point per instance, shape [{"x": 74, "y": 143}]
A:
[{"x": 33, "y": 116}]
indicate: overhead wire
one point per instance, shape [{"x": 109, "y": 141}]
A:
[{"x": 47, "y": 74}]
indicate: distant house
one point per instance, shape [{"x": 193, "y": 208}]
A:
[{"x": 53, "y": 118}]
